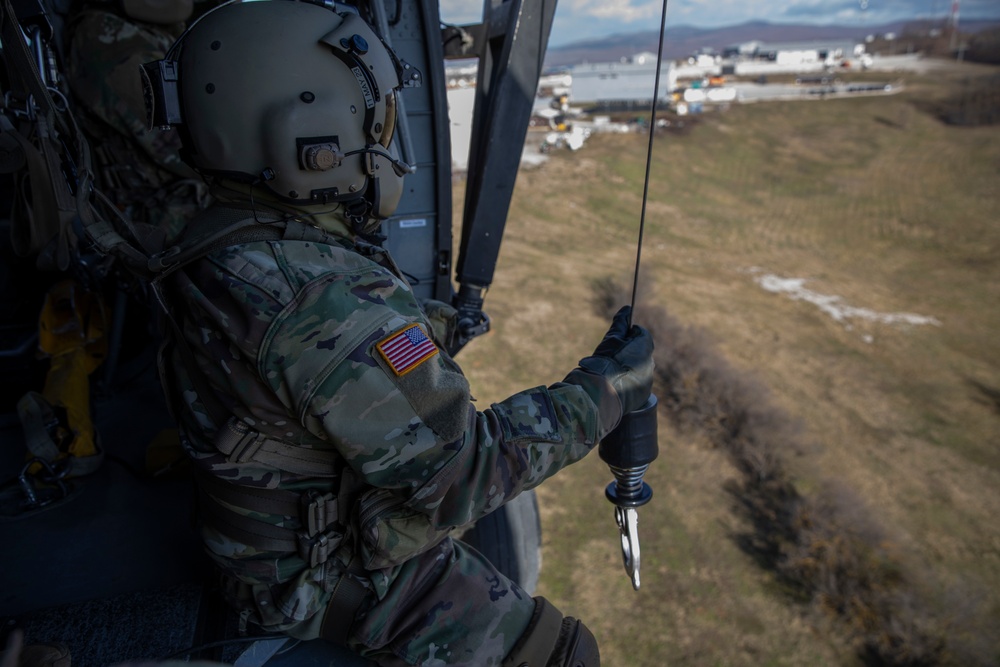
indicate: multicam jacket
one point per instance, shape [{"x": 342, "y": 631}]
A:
[
  {"x": 140, "y": 170},
  {"x": 299, "y": 340}
]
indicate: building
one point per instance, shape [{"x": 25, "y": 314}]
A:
[
  {"x": 827, "y": 52},
  {"x": 621, "y": 84}
]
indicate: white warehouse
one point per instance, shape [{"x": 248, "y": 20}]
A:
[
  {"x": 793, "y": 53},
  {"x": 628, "y": 81}
]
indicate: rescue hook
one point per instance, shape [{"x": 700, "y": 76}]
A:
[{"x": 628, "y": 450}]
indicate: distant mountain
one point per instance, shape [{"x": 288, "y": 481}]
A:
[{"x": 682, "y": 41}]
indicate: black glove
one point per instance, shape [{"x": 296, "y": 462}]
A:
[{"x": 619, "y": 375}]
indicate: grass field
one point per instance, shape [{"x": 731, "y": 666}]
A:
[{"x": 871, "y": 200}]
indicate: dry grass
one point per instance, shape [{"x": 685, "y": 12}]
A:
[{"x": 871, "y": 199}]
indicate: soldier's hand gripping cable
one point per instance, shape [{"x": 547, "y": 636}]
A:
[
  {"x": 336, "y": 442},
  {"x": 624, "y": 360}
]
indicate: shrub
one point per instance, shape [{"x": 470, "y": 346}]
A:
[{"x": 977, "y": 103}]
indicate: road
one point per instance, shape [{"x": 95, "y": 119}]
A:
[{"x": 753, "y": 92}]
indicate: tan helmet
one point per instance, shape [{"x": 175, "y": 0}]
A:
[{"x": 296, "y": 98}]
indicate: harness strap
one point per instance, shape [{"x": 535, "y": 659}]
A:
[
  {"x": 208, "y": 398},
  {"x": 240, "y": 443},
  {"x": 253, "y": 533},
  {"x": 313, "y": 549},
  {"x": 316, "y": 511},
  {"x": 248, "y": 230},
  {"x": 323, "y": 516},
  {"x": 49, "y": 208},
  {"x": 344, "y": 604},
  {"x": 111, "y": 242},
  {"x": 41, "y": 215}
]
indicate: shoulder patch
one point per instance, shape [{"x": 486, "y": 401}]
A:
[{"x": 407, "y": 349}]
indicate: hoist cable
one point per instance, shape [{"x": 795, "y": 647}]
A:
[{"x": 649, "y": 152}]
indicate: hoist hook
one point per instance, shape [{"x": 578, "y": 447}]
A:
[{"x": 628, "y": 450}]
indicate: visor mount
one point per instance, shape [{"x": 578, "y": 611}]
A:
[
  {"x": 356, "y": 44},
  {"x": 321, "y": 157}
]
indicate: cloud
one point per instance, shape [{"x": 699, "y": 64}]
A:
[
  {"x": 460, "y": 12},
  {"x": 820, "y": 9},
  {"x": 621, "y": 11}
]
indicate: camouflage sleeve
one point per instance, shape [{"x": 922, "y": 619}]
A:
[
  {"x": 407, "y": 423},
  {"x": 513, "y": 446}
]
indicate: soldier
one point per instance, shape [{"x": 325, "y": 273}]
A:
[
  {"x": 142, "y": 174},
  {"x": 335, "y": 440},
  {"x": 139, "y": 170}
]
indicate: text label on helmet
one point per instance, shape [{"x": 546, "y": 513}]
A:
[{"x": 366, "y": 89}]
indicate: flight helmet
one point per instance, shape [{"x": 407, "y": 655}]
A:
[{"x": 293, "y": 97}]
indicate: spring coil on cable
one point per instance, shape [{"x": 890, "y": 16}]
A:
[{"x": 629, "y": 481}]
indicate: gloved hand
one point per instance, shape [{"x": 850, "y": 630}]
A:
[{"x": 618, "y": 376}]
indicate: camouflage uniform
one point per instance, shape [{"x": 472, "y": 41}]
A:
[
  {"x": 291, "y": 336},
  {"x": 140, "y": 170}
]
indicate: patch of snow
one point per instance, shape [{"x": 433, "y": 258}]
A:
[{"x": 834, "y": 306}]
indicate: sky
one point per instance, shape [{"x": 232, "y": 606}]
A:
[{"x": 578, "y": 20}]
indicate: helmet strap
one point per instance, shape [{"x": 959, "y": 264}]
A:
[{"x": 358, "y": 214}]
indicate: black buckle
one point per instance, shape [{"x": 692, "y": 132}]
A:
[{"x": 316, "y": 550}]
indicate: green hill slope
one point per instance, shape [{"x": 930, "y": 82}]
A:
[{"x": 854, "y": 213}]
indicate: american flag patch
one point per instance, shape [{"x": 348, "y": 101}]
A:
[{"x": 407, "y": 349}]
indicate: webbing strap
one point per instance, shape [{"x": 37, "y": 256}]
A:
[
  {"x": 241, "y": 443},
  {"x": 218, "y": 412},
  {"x": 41, "y": 213},
  {"x": 267, "y": 501},
  {"x": 316, "y": 511},
  {"x": 263, "y": 536},
  {"x": 346, "y": 601},
  {"x": 111, "y": 242},
  {"x": 253, "y": 533},
  {"x": 51, "y": 207},
  {"x": 538, "y": 642},
  {"x": 248, "y": 230}
]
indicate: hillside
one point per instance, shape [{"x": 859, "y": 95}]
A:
[{"x": 788, "y": 241}]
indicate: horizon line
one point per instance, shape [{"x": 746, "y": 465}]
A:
[{"x": 586, "y": 40}]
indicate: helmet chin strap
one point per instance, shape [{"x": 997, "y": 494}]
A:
[
  {"x": 361, "y": 212},
  {"x": 358, "y": 213}
]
